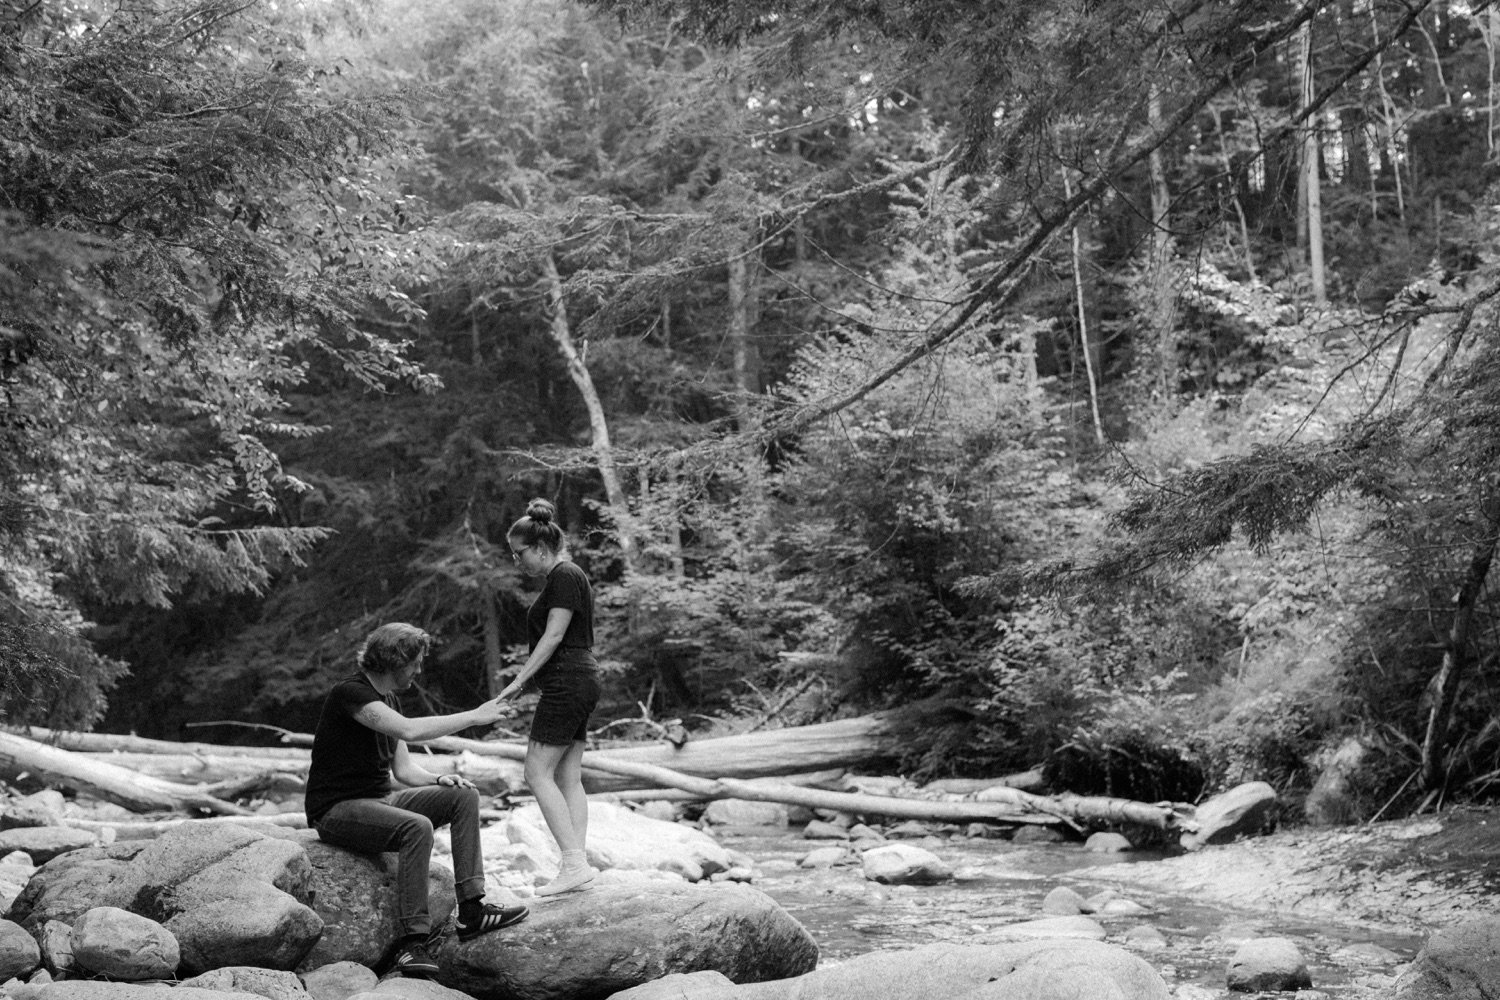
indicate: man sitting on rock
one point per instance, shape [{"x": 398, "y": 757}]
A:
[{"x": 359, "y": 747}]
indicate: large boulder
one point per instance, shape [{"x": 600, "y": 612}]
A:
[
  {"x": 1334, "y": 798},
  {"x": 1271, "y": 963},
  {"x": 618, "y": 838},
  {"x": 610, "y": 938},
  {"x": 1461, "y": 962},
  {"x": 1244, "y": 810},
  {"x": 355, "y": 897},
  {"x": 1031, "y": 970},
  {"x": 231, "y": 895}
]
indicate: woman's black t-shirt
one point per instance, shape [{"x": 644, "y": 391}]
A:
[
  {"x": 349, "y": 759},
  {"x": 567, "y": 587}
]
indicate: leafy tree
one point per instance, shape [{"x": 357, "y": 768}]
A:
[{"x": 186, "y": 228}]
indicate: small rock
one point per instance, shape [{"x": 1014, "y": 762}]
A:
[
  {"x": 56, "y": 942},
  {"x": 667, "y": 812},
  {"x": 736, "y": 874},
  {"x": 43, "y": 843},
  {"x": 861, "y": 846},
  {"x": 338, "y": 980},
  {"x": 19, "y": 954},
  {"x": 1078, "y": 927},
  {"x": 121, "y": 945},
  {"x": 1237, "y": 932},
  {"x": 983, "y": 831},
  {"x": 743, "y": 812},
  {"x": 860, "y": 831},
  {"x": 904, "y": 864},
  {"x": 1146, "y": 938},
  {"x": 823, "y": 857},
  {"x": 1099, "y": 900},
  {"x": 1035, "y": 834},
  {"x": 823, "y": 830},
  {"x": 1105, "y": 842},
  {"x": 1271, "y": 963},
  {"x": 1365, "y": 953},
  {"x": 1122, "y": 908},
  {"x": 909, "y": 830},
  {"x": 1063, "y": 902}
]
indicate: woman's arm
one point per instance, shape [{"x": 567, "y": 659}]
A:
[{"x": 552, "y": 637}]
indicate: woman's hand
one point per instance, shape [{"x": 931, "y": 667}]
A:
[{"x": 509, "y": 691}]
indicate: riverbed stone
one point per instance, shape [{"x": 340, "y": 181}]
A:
[
  {"x": 118, "y": 944},
  {"x": 338, "y": 980},
  {"x": 823, "y": 857},
  {"x": 909, "y": 830},
  {"x": 613, "y": 937},
  {"x": 821, "y": 829},
  {"x": 618, "y": 838},
  {"x": 273, "y": 984},
  {"x": 44, "y": 808},
  {"x": 1076, "y": 927},
  {"x": 55, "y": 939},
  {"x": 1268, "y": 963},
  {"x": 43, "y": 843},
  {"x": 904, "y": 864},
  {"x": 1063, "y": 902},
  {"x": 1037, "y": 834},
  {"x": 1460, "y": 962},
  {"x": 676, "y": 986},
  {"x": 1030, "y": 970},
  {"x": 863, "y": 831},
  {"x": 1335, "y": 796},
  {"x": 19, "y": 954},
  {"x": 744, "y": 812},
  {"x": 1244, "y": 810},
  {"x": 1146, "y": 938},
  {"x": 1107, "y": 842},
  {"x": 81, "y": 989}
]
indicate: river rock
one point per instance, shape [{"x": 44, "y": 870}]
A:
[
  {"x": 354, "y": 896},
  {"x": 618, "y": 838},
  {"x": 823, "y": 857},
  {"x": 1030, "y": 970},
  {"x": 1105, "y": 842},
  {"x": 1079, "y": 928},
  {"x": 1461, "y": 962},
  {"x": 1270, "y": 963},
  {"x": 55, "y": 940},
  {"x": 1242, "y": 811},
  {"x": 743, "y": 812},
  {"x": 43, "y": 843},
  {"x": 1063, "y": 902},
  {"x": 338, "y": 981},
  {"x": 398, "y": 988},
  {"x": 273, "y": 984},
  {"x": 19, "y": 953},
  {"x": 820, "y": 829},
  {"x": 862, "y": 831},
  {"x": 904, "y": 864},
  {"x": 1334, "y": 798},
  {"x": 16, "y": 870},
  {"x": 82, "y": 989},
  {"x": 675, "y": 986},
  {"x": 116, "y": 943},
  {"x": 1036, "y": 834},
  {"x": 1145, "y": 937},
  {"x": 611, "y": 938},
  {"x": 44, "y": 808}
]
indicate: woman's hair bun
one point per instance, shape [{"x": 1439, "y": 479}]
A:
[{"x": 541, "y": 511}]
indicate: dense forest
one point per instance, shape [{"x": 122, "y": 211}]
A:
[{"x": 1119, "y": 376}]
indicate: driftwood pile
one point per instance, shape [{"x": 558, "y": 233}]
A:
[{"x": 793, "y": 766}]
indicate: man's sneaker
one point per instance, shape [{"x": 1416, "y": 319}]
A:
[
  {"x": 491, "y": 918},
  {"x": 567, "y": 881},
  {"x": 414, "y": 960}
]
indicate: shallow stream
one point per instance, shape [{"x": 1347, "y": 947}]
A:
[{"x": 998, "y": 883}]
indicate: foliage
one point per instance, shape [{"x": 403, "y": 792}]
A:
[{"x": 184, "y": 222}]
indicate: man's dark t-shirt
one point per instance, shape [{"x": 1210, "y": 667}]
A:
[
  {"x": 567, "y": 587},
  {"x": 349, "y": 760}
]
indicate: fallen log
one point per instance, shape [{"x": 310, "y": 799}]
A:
[{"x": 136, "y": 792}]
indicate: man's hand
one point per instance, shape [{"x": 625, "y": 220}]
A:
[
  {"x": 455, "y": 781},
  {"x": 491, "y": 712}
]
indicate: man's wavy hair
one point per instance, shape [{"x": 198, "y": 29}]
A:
[{"x": 393, "y": 646}]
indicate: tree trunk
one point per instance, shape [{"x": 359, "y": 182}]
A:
[
  {"x": 136, "y": 792},
  {"x": 1312, "y": 185},
  {"x": 578, "y": 371},
  {"x": 1444, "y": 686},
  {"x": 1090, "y": 347}
]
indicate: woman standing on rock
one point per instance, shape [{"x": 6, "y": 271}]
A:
[{"x": 560, "y": 630}]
